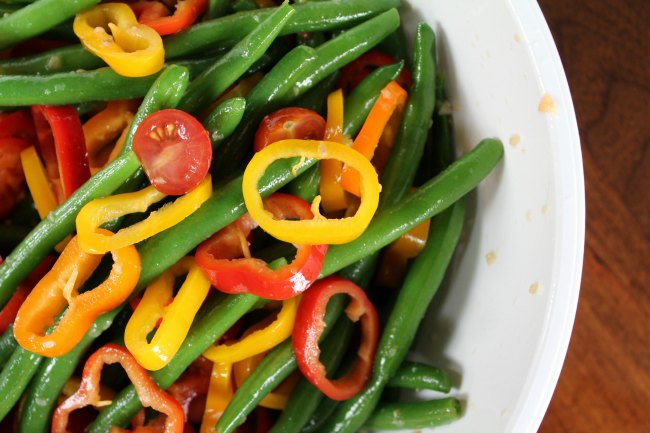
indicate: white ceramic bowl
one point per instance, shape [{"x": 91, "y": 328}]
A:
[{"x": 502, "y": 322}]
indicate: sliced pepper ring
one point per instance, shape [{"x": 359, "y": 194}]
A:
[
  {"x": 101, "y": 210},
  {"x": 177, "y": 315},
  {"x": 131, "y": 49},
  {"x": 149, "y": 393},
  {"x": 309, "y": 327},
  {"x": 260, "y": 340},
  {"x": 220, "y": 256},
  {"x": 319, "y": 230},
  {"x": 59, "y": 287}
]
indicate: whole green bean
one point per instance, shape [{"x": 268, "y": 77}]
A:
[
  {"x": 416, "y": 415},
  {"x": 409, "y": 143},
  {"x": 227, "y": 69},
  {"x": 418, "y": 289},
  {"x": 101, "y": 84},
  {"x": 165, "y": 92},
  {"x": 417, "y": 375},
  {"x": 38, "y": 17}
]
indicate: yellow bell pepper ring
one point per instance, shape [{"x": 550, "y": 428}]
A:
[
  {"x": 176, "y": 316},
  {"x": 101, "y": 210},
  {"x": 319, "y": 230},
  {"x": 111, "y": 31},
  {"x": 259, "y": 341}
]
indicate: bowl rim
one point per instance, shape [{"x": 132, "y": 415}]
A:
[{"x": 560, "y": 316}]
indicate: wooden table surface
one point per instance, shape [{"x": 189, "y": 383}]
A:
[{"x": 605, "y": 383}]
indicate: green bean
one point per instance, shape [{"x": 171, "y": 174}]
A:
[
  {"x": 418, "y": 289},
  {"x": 165, "y": 92},
  {"x": 416, "y": 375},
  {"x": 38, "y": 17},
  {"x": 70, "y": 58},
  {"x": 312, "y": 16},
  {"x": 15, "y": 376},
  {"x": 224, "y": 119},
  {"x": 101, "y": 84},
  {"x": 416, "y": 415},
  {"x": 361, "y": 99},
  {"x": 349, "y": 45},
  {"x": 409, "y": 143},
  {"x": 225, "y": 71},
  {"x": 7, "y": 345},
  {"x": 272, "y": 91},
  {"x": 326, "y": 407}
]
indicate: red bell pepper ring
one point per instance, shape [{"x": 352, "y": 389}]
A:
[
  {"x": 222, "y": 257},
  {"x": 310, "y": 324},
  {"x": 354, "y": 72},
  {"x": 62, "y": 146},
  {"x": 155, "y": 14},
  {"x": 149, "y": 393}
]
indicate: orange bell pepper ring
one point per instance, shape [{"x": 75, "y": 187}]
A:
[
  {"x": 149, "y": 393},
  {"x": 59, "y": 288},
  {"x": 391, "y": 96}
]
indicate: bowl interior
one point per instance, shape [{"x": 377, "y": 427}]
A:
[{"x": 501, "y": 323}]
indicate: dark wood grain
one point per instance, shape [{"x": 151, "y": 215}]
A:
[{"x": 605, "y": 383}]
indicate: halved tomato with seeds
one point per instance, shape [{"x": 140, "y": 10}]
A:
[{"x": 174, "y": 150}]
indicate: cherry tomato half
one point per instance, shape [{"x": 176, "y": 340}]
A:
[
  {"x": 174, "y": 150},
  {"x": 290, "y": 122}
]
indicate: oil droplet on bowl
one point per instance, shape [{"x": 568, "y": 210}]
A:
[{"x": 491, "y": 257}]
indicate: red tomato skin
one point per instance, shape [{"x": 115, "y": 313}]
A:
[
  {"x": 174, "y": 150},
  {"x": 290, "y": 122}
]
